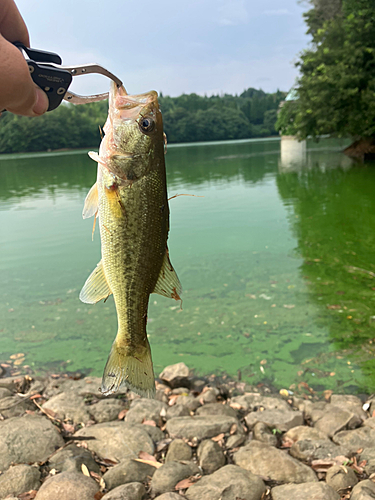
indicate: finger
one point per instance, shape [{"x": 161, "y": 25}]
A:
[
  {"x": 12, "y": 26},
  {"x": 18, "y": 92}
]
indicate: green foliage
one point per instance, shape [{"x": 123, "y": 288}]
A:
[
  {"x": 337, "y": 83},
  {"x": 187, "y": 118}
]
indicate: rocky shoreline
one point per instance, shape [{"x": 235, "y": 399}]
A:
[{"x": 197, "y": 440}]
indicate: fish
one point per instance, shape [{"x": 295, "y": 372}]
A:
[{"x": 129, "y": 199}]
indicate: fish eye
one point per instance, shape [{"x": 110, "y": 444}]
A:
[{"x": 147, "y": 124}]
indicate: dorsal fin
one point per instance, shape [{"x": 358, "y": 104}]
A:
[
  {"x": 96, "y": 287},
  {"x": 90, "y": 207},
  {"x": 168, "y": 283}
]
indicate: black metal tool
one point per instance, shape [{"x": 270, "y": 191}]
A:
[{"x": 47, "y": 72}]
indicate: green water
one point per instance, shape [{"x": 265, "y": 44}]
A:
[{"x": 270, "y": 231}]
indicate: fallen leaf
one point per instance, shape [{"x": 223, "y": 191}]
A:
[
  {"x": 19, "y": 361},
  {"x": 327, "y": 394},
  {"x": 233, "y": 429},
  {"x": 333, "y": 306},
  {"x": 263, "y": 362},
  {"x": 122, "y": 414},
  {"x": 69, "y": 428},
  {"x": 16, "y": 356},
  {"x": 289, "y": 306},
  {"x": 149, "y": 422},
  {"x": 236, "y": 406},
  {"x": 186, "y": 483},
  {"x": 98, "y": 495},
  {"x": 146, "y": 456},
  {"x": 219, "y": 437},
  {"x": 85, "y": 470},
  {"x": 149, "y": 462},
  {"x": 49, "y": 412},
  {"x": 28, "y": 495},
  {"x": 36, "y": 396}
]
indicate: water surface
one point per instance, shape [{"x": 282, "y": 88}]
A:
[{"x": 276, "y": 260}]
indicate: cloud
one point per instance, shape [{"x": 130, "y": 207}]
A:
[
  {"x": 232, "y": 13},
  {"x": 277, "y": 12}
]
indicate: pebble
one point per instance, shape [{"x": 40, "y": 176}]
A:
[
  {"x": 228, "y": 483},
  {"x": 309, "y": 449},
  {"x": 127, "y": 471},
  {"x": 68, "y": 405},
  {"x": 27, "y": 439},
  {"x": 106, "y": 410},
  {"x": 130, "y": 491},
  {"x": 364, "y": 437},
  {"x": 200, "y": 427},
  {"x": 340, "y": 477},
  {"x": 263, "y": 433},
  {"x": 176, "y": 375},
  {"x": 68, "y": 486},
  {"x": 268, "y": 461},
  {"x": 365, "y": 490},
  {"x": 210, "y": 456},
  {"x": 168, "y": 475},
  {"x": 145, "y": 409},
  {"x": 305, "y": 491},
  {"x": 18, "y": 479},
  {"x": 116, "y": 440},
  {"x": 283, "y": 420},
  {"x": 178, "y": 450},
  {"x": 71, "y": 458},
  {"x": 216, "y": 409}
]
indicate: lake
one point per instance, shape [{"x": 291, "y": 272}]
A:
[{"x": 275, "y": 254}]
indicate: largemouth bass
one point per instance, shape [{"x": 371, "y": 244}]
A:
[{"x": 130, "y": 200}]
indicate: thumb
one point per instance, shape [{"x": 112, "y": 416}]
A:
[{"x": 18, "y": 92}]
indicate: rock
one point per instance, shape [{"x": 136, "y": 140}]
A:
[
  {"x": 71, "y": 458},
  {"x": 145, "y": 409},
  {"x": 305, "y": 491},
  {"x": 106, "y": 410},
  {"x": 154, "y": 432},
  {"x": 177, "y": 411},
  {"x": 216, "y": 409},
  {"x": 267, "y": 461},
  {"x": 5, "y": 393},
  {"x": 68, "y": 486},
  {"x": 340, "y": 478},
  {"x": 175, "y": 375},
  {"x": 370, "y": 422},
  {"x": 303, "y": 432},
  {"x": 130, "y": 491},
  {"x": 127, "y": 471},
  {"x": 19, "y": 479},
  {"x": 168, "y": 475},
  {"x": 308, "y": 450},
  {"x": 14, "y": 406},
  {"x": 363, "y": 437},
  {"x": 10, "y": 383},
  {"x": 83, "y": 387},
  {"x": 68, "y": 406},
  {"x": 335, "y": 419},
  {"x": 169, "y": 496},
  {"x": 364, "y": 490},
  {"x": 228, "y": 483},
  {"x": 276, "y": 419},
  {"x": 262, "y": 432},
  {"x": 252, "y": 402},
  {"x": 351, "y": 403},
  {"x": 235, "y": 440},
  {"x": 200, "y": 427},
  {"x": 190, "y": 402},
  {"x": 27, "y": 439},
  {"x": 178, "y": 450},
  {"x": 117, "y": 440},
  {"x": 210, "y": 456},
  {"x": 368, "y": 454},
  {"x": 209, "y": 396}
]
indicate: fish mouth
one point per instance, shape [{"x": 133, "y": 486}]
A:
[{"x": 123, "y": 106}]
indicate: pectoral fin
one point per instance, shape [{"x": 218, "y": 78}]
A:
[
  {"x": 96, "y": 287},
  {"x": 91, "y": 203},
  {"x": 168, "y": 283}
]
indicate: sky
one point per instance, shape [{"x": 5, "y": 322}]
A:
[{"x": 202, "y": 46}]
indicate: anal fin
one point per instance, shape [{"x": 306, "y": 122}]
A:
[
  {"x": 168, "y": 283},
  {"x": 96, "y": 287}
]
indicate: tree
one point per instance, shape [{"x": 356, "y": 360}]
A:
[{"x": 337, "y": 83}]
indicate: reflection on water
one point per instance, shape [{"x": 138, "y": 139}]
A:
[
  {"x": 275, "y": 261},
  {"x": 292, "y": 154}
]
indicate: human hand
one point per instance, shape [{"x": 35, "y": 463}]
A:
[{"x": 18, "y": 93}]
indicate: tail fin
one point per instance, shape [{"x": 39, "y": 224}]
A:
[{"x": 136, "y": 373}]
